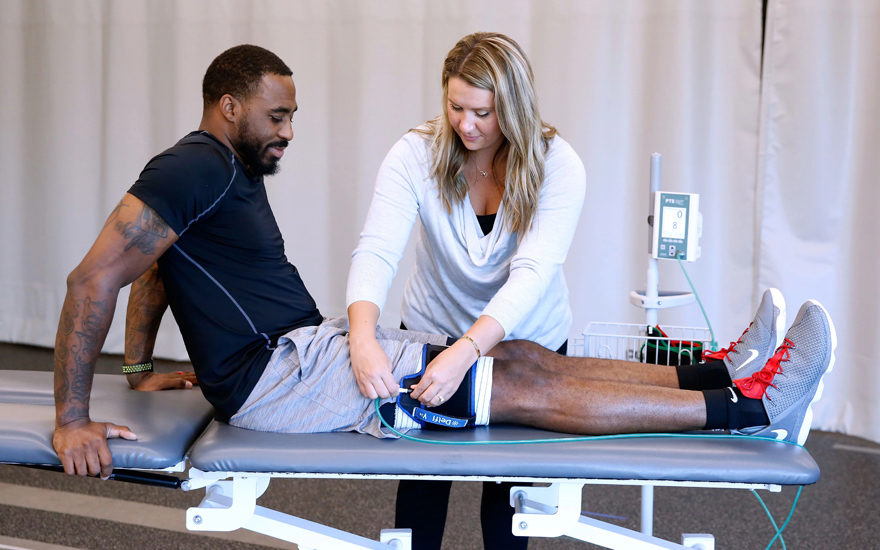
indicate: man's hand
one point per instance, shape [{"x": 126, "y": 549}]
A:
[
  {"x": 372, "y": 369},
  {"x": 82, "y": 446},
  {"x": 158, "y": 381}
]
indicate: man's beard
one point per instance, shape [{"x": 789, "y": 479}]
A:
[{"x": 253, "y": 152}]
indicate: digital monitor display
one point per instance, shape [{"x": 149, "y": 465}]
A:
[{"x": 674, "y": 222}]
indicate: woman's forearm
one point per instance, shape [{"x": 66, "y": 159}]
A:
[{"x": 363, "y": 317}]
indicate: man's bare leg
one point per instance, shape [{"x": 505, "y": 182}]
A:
[
  {"x": 523, "y": 392},
  {"x": 587, "y": 368}
]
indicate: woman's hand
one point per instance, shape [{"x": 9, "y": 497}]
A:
[
  {"x": 444, "y": 374},
  {"x": 370, "y": 363},
  {"x": 372, "y": 369}
]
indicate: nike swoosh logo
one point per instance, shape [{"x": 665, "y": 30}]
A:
[
  {"x": 733, "y": 399},
  {"x": 749, "y": 360},
  {"x": 780, "y": 434}
]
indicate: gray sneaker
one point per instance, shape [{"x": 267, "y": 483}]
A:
[
  {"x": 755, "y": 347},
  {"x": 791, "y": 381}
]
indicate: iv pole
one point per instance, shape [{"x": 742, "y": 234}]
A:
[{"x": 652, "y": 300}]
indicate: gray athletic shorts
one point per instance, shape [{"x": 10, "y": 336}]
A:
[{"x": 309, "y": 387}]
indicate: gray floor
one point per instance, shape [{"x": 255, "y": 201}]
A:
[{"x": 49, "y": 511}]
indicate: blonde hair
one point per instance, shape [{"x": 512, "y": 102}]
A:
[{"x": 494, "y": 62}]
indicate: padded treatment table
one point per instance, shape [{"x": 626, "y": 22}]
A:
[
  {"x": 236, "y": 465},
  {"x": 166, "y": 423},
  {"x": 226, "y": 448}
]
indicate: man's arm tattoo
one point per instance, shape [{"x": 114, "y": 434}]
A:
[
  {"x": 144, "y": 232},
  {"x": 146, "y": 305},
  {"x": 115, "y": 214},
  {"x": 76, "y": 352}
]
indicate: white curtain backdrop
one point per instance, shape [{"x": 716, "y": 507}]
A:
[
  {"x": 93, "y": 89},
  {"x": 819, "y": 208}
]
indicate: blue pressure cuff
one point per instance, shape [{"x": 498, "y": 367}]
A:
[{"x": 459, "y": 411}]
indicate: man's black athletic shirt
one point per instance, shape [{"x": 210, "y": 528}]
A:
[{"x": 229, "y": 285}]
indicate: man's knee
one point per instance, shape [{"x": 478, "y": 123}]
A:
[
  {"x": 520, "y": 350},
  {"x": 521, "y": 389}
]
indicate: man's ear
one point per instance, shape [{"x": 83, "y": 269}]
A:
[{"x": 230, "y": 108}]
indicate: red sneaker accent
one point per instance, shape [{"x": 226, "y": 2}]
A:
[
  {"x": 721, "y": 354},
  {"x": 755, "y": 386}
]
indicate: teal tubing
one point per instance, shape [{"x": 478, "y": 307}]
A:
[
  {"x": 788, "y": 519},
  {"x": 402, "y": 435},
  {"x": 713, "y": 345}
]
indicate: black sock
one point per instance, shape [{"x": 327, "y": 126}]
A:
[
  {"x": 711, "y": 375},
  {"x": 729, "y": 409}
]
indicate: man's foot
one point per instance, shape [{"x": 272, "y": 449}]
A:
[
  {"x": 755, "y": 347},
  {"x": 791, "y": 381}
]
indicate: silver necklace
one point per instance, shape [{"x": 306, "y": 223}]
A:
[{"x": 483, "y": 172}]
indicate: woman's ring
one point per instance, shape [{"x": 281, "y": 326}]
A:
[{"x": 440, "y": 397}]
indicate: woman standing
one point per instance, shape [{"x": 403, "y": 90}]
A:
[{"x": 498, "y": 194}]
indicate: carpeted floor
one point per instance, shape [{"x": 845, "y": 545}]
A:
[{"x": 48, "y": 511}]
